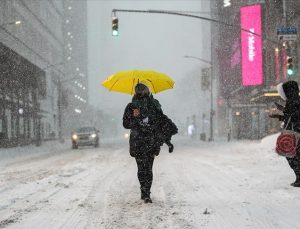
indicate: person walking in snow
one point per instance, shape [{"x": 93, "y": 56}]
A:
[
  {"x": 149, "y": 129},
  {"x": 289, "y": 91}
]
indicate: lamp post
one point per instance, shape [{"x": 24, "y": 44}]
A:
[
  {"x": 198, "y": 58},
  {"x": 211, "y": 113}
]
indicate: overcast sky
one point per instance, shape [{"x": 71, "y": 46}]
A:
[{"x": 148, "y": 41}]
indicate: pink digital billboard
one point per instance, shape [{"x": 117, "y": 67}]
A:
[{"x": 252, "y": 58}]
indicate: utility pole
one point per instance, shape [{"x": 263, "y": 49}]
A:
[
  {"x": 211, "y": 137},
  {"x": 284, "y": 12},
  {"x": 59, "y": 88}
]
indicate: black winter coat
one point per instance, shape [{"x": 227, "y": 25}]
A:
[
  {"x": 291, "y": 116},
  {"x": 291, "y": 111},
  {"x": 147, "y": 138}
]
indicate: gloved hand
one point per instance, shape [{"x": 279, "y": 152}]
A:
[
  {"x": 279, "y": 107},
  {"x": 132, "y": 154},
  {"x": 280, "y": 117}
]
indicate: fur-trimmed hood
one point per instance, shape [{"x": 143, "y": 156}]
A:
[{"x": 288, "y": 90}]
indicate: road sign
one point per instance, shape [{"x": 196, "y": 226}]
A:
[
  {"x": 256, "y": 1},
  {"x": 286, "y": 30},
  {"x": 287, "y": 37}
]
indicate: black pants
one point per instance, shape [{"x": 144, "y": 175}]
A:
[
  {"x": 295, "y": 163},
  {"x": 145, "y": 174}
]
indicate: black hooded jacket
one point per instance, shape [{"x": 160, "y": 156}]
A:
[
  {"x": 289, "y": 91},
  {"x": 291, "y": 111}
]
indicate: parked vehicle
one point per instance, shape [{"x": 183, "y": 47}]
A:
[{"x": 85, "y": 136}]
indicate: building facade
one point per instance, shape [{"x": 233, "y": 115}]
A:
[
  {"x": 36, "y": 68},
  {"x": 76, "y": 56},
  {"x": 245, "y": 105}
]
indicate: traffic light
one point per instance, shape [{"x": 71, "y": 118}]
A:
[
  {"x": 115, "y": 26},
  {"x": 291, "y": 71}
]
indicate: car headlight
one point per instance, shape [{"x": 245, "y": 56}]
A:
[
  {"x": 126, "y": 135},
  {"x": 74, "y": 136},
  {"x": 94, "y": 135}
]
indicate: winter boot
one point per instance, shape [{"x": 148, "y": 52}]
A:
[
  {"x": 147, "y": 200},
  {"x": 171, "y": 146},
  {"x": 144, "y": 193},
  {"x": 297, "y": 181}
]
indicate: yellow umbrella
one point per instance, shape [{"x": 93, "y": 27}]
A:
[{"x": 125, "y": 81}]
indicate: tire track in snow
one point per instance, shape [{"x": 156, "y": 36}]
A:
[
  {"x": 44, "y": 193},
  {"x": 109, "y": 194},
  {"x": 175, "y": 187},
  {"x": 124, "y": 209}
]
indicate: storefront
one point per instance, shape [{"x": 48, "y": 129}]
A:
[
  {"x": 249, "y": 67},
  {"x": 249, "y": 121},
  {"x": 21, "y": 89}
]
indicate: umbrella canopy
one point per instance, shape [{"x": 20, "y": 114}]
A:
[{"x": 125, "y": 81}]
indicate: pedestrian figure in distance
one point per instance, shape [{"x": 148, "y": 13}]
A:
[
  {"x": 149, "y": 129},
  {"x": 191, "y": 130},
  {"x": 289, "y": 91}
]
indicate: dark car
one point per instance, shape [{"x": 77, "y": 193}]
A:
[{"x": 85, "y": 136}]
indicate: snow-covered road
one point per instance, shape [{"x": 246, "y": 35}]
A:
[{"x": 201, "y": 185}]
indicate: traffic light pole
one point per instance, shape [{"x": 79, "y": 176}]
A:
[{"x": 114, "y": 11}]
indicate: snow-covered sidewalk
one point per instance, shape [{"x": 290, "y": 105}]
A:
[
  {"x": 22, "y": 152},
  {"x": 201, "y": 185}
]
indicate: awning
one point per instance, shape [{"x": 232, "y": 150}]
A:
[{"x": 266, "y": 97}]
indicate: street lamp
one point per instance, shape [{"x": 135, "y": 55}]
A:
[
  {"x": 211, "y": 137},
  {"x": 198, "y": 58}
]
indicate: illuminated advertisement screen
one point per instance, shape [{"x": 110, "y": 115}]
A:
[{"x": 252, "y": 64}]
